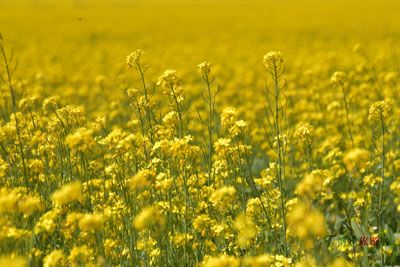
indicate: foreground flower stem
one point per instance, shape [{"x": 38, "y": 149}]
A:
[
  {"x": 9, "y": 74},
  {"x": 273, "y": 64},
  {"x": 346, "y": 107},
  {"x": 381, "y": 185}
]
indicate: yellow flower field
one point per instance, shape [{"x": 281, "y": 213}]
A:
[{"x": 199, "y": 133}]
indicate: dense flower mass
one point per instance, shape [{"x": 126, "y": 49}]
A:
[
  {"x": 68, "y": 193},
  {"x": 251, "y": 158},
  {"x": 379, "y": 110}
]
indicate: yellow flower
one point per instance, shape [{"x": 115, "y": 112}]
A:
[
  {"x": 48, "y": 222},
  {"x": 54, "y": 259},
  {"x": 141, "y": 179},
  {"x": 29, "y": 205},
  {"x": 223, "y": 197},
  {"x": 201, "y": 223},
  {"x": 49, "y": 104},
  {"x": 221, "y": 145},
  {"x": 305, "y": 132},
  {"x": 134, "y": 58},
  {"x": 339, "y": 77},
  {"x": 71, "y": 224},
  {"x": 356, "y": 158},
  {"x": 308, "y": 261},
  {"x": 264, "y": 260},
  {"x": 15, "y": 200},
  {"x": 379, "y": 110},
  {"x": 168, "y": 79},
  {"x": 204, "y": 68},
  {"x": 91, "y": 222},
  {"x": 181, "y": 239},
  {"x": 306, "y": 223},
  {"x": 246, "y": 230},
  {"x": 221, "y": 261},
  {"x": 228, "y": 117},
  {"x": 8, "y": 200},
  {"x": 12, "y": 261},
  {"x": 68, "y": 193},
  {"x": 80, "y": 256},
  {"x": 81, "y": 140},
  {"x": 253, "y": 206},
  {"x": 148, "y": 217},
  {"x": 311, "y": 184},
  {"x": 340, "y": 262},
  {"x": 171, "y": 83},
  {"x": 171, "y": 118},
  {"x": 15, "y": 233},
  {"x": 371, "y": 180},
  {"x": 273, "y": 61},
  {"x": 36, "y": 165}
]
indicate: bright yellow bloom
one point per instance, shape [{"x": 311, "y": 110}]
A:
[
  {"x": 339, "y": 77},
  {"x": 204, "y": 68},
  {"x": 68, "y": 193},
  {"x": 273, "y": 61},
  {"x": 356, "y": 158},
  {"x": 306, "y": 223},
  {"x": 379, "y": 110},
  {"x": 80, "y": 255},
  {"x": 148, "y": 217},
  {"x": 246, "y": 230},
  {"x": 168, "y": 79},
  {"x": 309, "y": 261},
  {"x": 81, "y": 140},
  {"x": 340, "y": 262},
  {"x": 221, "y": 261},
  {"x": 311, "y": 184},
  {"x": 141, "y": 179},
  {"x": 223, "y": 197},
  {"x": 29, "y": 205},
  {"x": 134, "y": 58},
  {"x": 54, "y": 259},
  {"x": 91, "y": 222},
  {"x": 12, "y": 262},
  {"x": 8, "y": 200},
  {"x": 47, "y": 223},
  {"x": 305, "y": 132}
]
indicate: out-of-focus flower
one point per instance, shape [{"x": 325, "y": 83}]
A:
[
  {"x": 148, "y": 217},
  {"x": 68, "y": 193},
  {"x": 379, "y": 110},
  {"x": 221, "y": 261},
  {"x": 356, "y": 158}
]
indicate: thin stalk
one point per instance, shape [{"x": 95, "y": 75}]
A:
[
  {"x": 348, "y": 218},
  {"x": 381, "y": 186},
  {"x": 346, "y": 107},
  {"x": 279, "y": 152},
  {"x": 148, "y": 110},
  {"x": 14, "y": 110}
]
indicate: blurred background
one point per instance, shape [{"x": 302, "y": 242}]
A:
[{"x": 60, "y": 41}]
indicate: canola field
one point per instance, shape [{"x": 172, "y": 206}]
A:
[{"x": 199, "y": 133}]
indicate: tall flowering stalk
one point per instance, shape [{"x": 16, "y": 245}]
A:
[
  {"x": 209, "y": 97},
  {"x": 304, "y": 133},
  {"x": 379, "y": 113},
  {"x": 339, "y": 79},
  {"x": 173, "y": 88},
  {"x": 141, "y": 102},
  {"x": 10, "y": 67},
  {"x": 274, "y": 66}
]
